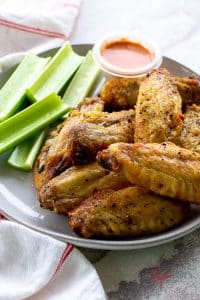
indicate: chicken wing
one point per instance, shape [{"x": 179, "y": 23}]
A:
[
  {"x": 96, "y": 132},
  {"x": 158, "y": 113},
  {"x": 190, "y": 136},
  {"x": 122, "y": 93},
  {"x": 83, "y": 135},
  {"x": 165, "y": 169},
  {"x": 189, "y": 89},
  {"x": 91, "y": 104},
  {"x": 41, "y": 174},
  {"x": 128, "y": 212},
  {"x": 64, "y": 192}
]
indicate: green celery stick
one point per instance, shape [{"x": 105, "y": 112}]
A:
[
  {"x": 13, "y": 91},
  {"x": 23, "y": 156},
  {"x": 82, "y": 82},
  {"x": 56, "y": 74},
  {"x": 30, "y": 120}
]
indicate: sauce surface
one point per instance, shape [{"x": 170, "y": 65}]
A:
[{"x": 126, "y": 54}]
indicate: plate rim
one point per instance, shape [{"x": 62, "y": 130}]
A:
[
  {"x": 146, "y": 242},
  {"x": 169, "y": 236}
]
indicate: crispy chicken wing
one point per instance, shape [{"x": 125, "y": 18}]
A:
[
  {"x": 189, "y": 90},
  {"x": 41, "y": 174},
  {"x": 91, "y": 104},
  {"x": 128, "y": 212},
  {"x": 165, "y": 169},
  {"x": 83, "y": 135},
  {"x": 68, "y": 190},
  {"x": 190, "y": 136},
  {"x": 96, "y": 132},
  {"x": 158, "y": 114},
  {"x": 122, "y": 93}
]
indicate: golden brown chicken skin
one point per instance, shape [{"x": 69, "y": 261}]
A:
[
  {"x": 189, "y": 89},
  {"x": 190, "y": 136},
  {"x": 98, "y": 130},
  {"x": 91, "y": 104},
  {"x": 158, "y": 113},
  {"x": 165, "y": 169},
  {"x": 121, "y": 93},
  {"x": 39, "y": 172},
  {"x": 128, "y": 212},
  {"x": 53, "y": 142},
  {"x": 69, "y": 189},
  {"x": 83, "y": 135}
]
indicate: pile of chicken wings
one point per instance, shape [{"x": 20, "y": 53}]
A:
[{"x": 126, "y": 163}]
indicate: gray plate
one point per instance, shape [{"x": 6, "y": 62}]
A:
[{"x": 18, "y": 199}]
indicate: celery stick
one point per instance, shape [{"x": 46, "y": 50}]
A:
[
  {"x": 23, "y": 156},
  {"x": 27, "y": 122},
  {"x": 57, "y": 72},
  {"x": 82, "y": 82},
  {"x": 13, "y": 92}
]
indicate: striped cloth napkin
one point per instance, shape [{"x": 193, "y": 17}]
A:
[
  {"x": 35, "y": 26},
  {"x": 32, "y": 265}
]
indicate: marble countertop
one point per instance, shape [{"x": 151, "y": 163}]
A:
[{"x": 170, "y": 271}]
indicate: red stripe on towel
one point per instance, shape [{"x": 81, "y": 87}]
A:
[
  {"x": 64, "y": 256},
  {"x": 2, "y": 217},
  {"x": 74, "y": 5},
  {"x": 33, "y": 30}
]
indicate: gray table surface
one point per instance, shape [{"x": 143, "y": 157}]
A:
[{"x": 170, "y": 271}]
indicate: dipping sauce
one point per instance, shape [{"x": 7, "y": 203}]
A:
[{"x": 126, "y": 54}]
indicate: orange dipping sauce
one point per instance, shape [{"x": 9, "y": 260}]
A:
[{"x": 126, "y": 54}]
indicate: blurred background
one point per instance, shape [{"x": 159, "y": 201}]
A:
[{"x": 174, "y": 25}]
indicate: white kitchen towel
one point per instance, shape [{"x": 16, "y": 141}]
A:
[
  {"x": 33, "y": 26},
  {"x": 34, "y": 266}
]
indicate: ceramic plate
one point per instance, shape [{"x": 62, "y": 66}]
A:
[{"x": 18, "y": 198}]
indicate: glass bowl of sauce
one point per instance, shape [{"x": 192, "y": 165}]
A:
[{"x": 127, "y": 55}]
